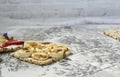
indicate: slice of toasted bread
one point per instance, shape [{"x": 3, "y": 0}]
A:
[{"x": 41, "y": 54}]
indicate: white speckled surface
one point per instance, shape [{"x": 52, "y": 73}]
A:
[{"x": 94, "y": 54}]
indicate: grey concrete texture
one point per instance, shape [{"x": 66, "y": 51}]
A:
[
  {"x": 58, "y": 12},
  {"x": 94, "y": 54}
]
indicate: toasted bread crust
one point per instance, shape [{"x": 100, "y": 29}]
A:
[
  {"x": 54, "y": 54},
  {"x": 114, "y": 33}
]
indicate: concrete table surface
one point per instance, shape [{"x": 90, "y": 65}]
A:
[{"x": 94, "y": 54}]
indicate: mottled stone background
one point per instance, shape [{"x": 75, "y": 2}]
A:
[
  {"x": 58, "y": 12},
  {"x": 94, "y": 54}
]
